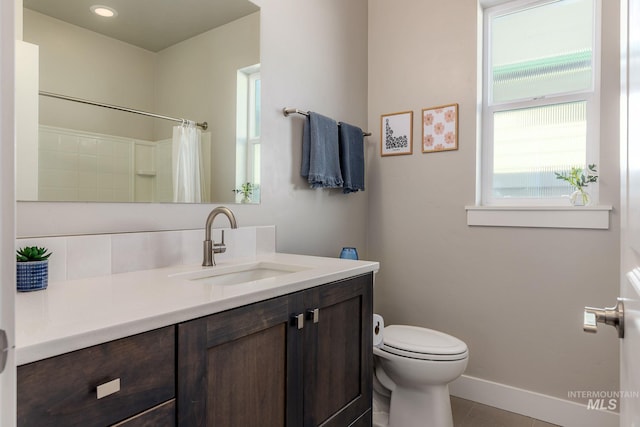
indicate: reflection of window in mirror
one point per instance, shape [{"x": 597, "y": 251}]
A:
[{"x": 248, "y": 135}]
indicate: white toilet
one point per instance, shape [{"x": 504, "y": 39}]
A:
[{"x": 413, "y": 368}]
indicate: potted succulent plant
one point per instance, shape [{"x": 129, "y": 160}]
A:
[
  {"x": 579, "y": 180},
  {"x": 32, "y": 268}
]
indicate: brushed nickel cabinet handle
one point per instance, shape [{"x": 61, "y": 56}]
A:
[
  {"x": 297, "y": 320},
  {"x": 314, "y": 315},
  {"x": 106, "y": 389}
]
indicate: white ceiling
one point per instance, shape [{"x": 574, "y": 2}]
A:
[{"x": 149, "y": 24}]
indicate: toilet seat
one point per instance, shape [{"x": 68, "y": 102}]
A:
[{"x": 422, "y": 343}]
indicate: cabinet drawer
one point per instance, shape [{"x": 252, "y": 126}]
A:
[
  {"x": 161, "y": 416},
  {"x": 62, "y": 391}
]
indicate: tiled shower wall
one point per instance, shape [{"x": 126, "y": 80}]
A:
[
  {"x": 78, "y": 166},
  {"x": 83, "y": 166}
]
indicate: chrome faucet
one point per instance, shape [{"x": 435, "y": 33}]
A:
[{"x": 210, "y": 248}]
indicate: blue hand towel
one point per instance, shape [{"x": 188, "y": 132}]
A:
[
  {"x": 351, "y": 157},
  {"x": 320, "y": 152}
]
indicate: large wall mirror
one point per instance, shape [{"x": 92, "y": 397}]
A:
[{"x": 197, "y": 60}]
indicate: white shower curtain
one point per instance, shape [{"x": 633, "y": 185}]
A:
[{"x": 188, "y": 167}]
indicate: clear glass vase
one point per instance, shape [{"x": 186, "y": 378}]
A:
[{"x": 580, "y": 198}]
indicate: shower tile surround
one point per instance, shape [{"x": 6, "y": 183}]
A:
[
  {"x": 76, "y": 257},
  {"x": 81, "y": 166},
  {"x": 86, "y": 166}
]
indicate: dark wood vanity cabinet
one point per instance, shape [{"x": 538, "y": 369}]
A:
[
  {"x": 67, "y": 390},
  {"x": 337, "y": 353},
  {"x": 302, "y": 359}
]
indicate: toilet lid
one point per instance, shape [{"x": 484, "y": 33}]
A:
[{"x": 422, "y": 343}]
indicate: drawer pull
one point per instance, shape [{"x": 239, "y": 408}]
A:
[{"x": 104, "y": 390}]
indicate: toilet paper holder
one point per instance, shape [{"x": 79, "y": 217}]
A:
[{"x": 378, "y": 330}]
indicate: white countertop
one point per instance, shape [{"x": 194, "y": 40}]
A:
[{"x": 75, "y": 314}]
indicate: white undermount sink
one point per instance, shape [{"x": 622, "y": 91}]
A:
[{"x": 242, "y": 273}]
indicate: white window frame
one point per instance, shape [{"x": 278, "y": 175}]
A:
[
  {"x": 553, "y": 212},
  {"x": 246, "y": 138},
  {"x": 253, "y": 140}
]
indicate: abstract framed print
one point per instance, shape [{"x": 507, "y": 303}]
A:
[
  {"x": 440, "y": 128},
  {"x": 396, "y": 133}
]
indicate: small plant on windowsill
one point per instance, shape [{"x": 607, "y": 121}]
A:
[
  {"x": 32, "y": 268},
  {"x": 246, "y": 190},
  {"x": 579, "y": 180}
]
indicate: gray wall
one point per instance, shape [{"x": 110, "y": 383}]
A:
[
  {"x": 80, "y": 63},
  {"x": 515, "y": 295}
]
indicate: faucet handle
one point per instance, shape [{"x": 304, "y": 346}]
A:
[{"x": 219, "y": 248}]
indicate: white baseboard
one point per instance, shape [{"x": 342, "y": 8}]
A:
[{"x": 540, "y": 406}]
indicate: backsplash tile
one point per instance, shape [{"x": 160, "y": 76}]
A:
[
  {"x": 76, "y": 257},
  {"x": 191, "y": 246},
  {"x": 239, "y": 242},
  {"x": 165, "y": 248},
  {"x": 265, "y": 240},
  {"x": 88, "y": 256},
  {"x": 130, "y": 252}
]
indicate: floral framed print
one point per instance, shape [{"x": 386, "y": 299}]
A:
[
  {"x": 440, "y": 128},
  {"x": 396, "y": 133}
]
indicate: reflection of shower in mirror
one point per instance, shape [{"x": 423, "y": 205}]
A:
[{"x": 177, "y": 80}]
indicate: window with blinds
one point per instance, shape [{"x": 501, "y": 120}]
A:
[{"x": 540, "y": 107}]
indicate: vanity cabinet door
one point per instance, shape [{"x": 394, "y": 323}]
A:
[
  {"x": 338, "y": 353},
  {"x": 241, "y": 367},
  {"x": 270, "y": 364}
]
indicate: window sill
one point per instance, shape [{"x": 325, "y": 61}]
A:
[{"x": 591, "y": 217}]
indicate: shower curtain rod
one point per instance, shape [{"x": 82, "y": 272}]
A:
[
  {"x": 203, "y": 125},
  {"x": 289, "y": 111}
]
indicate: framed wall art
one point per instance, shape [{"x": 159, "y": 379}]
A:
[
  {"x": 440, "y": 128},
  {"x": 396, "y": 133}
]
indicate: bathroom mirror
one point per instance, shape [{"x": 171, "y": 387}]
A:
[{"x": 190, "y": 59}]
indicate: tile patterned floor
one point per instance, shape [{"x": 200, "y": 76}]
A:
[{"x": 471, "y": 414}]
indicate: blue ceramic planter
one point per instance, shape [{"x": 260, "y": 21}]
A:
[{"x": 32, "y": 275}]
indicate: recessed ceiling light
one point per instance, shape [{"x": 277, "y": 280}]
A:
[{"x": 104, "y": 11}]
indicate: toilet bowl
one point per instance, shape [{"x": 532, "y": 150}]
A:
[{"x": 413, "y": 368}]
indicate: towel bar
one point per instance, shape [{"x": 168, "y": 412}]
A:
[{"x": 289, "y": 111}]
